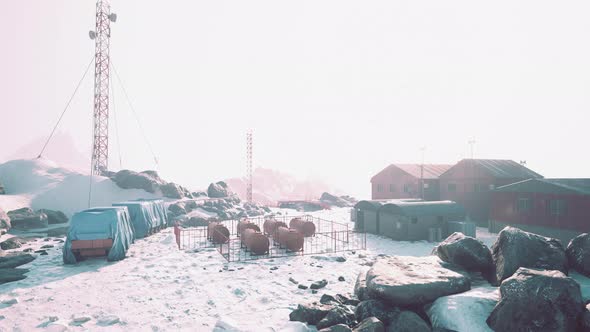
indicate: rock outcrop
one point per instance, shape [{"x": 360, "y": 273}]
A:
[
  {"x": 515, "y": 248},
  {"x": 4, "y": 222},
  {"x": 9, "y": 275},
  {"x": 578, "y": 254},
  {"x": 310, "y": 313},
  {"x": 410, "y": 281},
  {"x": 342, "y": 201},
  {"x": 54, "y": 217},
  {"x": 25, "y": 219},
  {"x": 15, "y": 260},
  {"x": 12, "y": 243},
  {"x": 536, "y": 300},
  {"x": 149, "y": 181},
  {"x": 219, "y": 190},
  {"x": 466, "y": 252}
]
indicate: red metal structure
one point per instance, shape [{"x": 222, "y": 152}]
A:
[
  {"x": 558, "y": 208},
  {"x": 400, "y": 181},
  {"x": 101, "y": 35},
  {"x": 471, "y": 181}
]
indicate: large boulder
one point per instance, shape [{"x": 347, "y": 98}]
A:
[
  {"x": 370, "y": 324},
  {"x": 360, "y": 287},
  {"x": 515, "y": 248},
  {"x": 54, "y": 217},
  {"x": 342, "y": 314},
  {"x": 409, "y": 281},
  {"x": 12, "y": 261},
  {"x": 12, "y": 243},
  {"x": 218, "y": 190},
  {"x": 375, "y": 308},
  {"x": 4, "y": 221},
  {"x": 177, "y": 209},
  {"x": 310, "y": 313},
  {"x": 25, "y": 218},
  {"x": 466, "y": 252},
  {"x": 536, "y": 300},
  {"x": 408, "y": 321},
  {"x": 333, "y": 200},
  {"x": 146, "y": 180},
  {"x": 8, "y": 275},
  {"x": 172, "y": 190},
  {"x": 578, "y": 254}
]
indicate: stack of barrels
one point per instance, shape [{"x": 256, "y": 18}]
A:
[
  {"x": 292, "y": 237},
  {"x": 251, "y": 238}
]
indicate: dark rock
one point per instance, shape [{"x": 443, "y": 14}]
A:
[
  {"x": 329, "y": 299},
  {"x": 190, "y": 206},
  {"x": 172, "y": 190},
  {"x": 28, "y": 250},
  {"x": 218, "y": 190},
  {"x": 274, "y": 268},
  {"x": 58, "y": 231},
  {"x": 352, "y": 302},
  {"x": 584, "y": 320},
  {"x": 341, "y": 278},
  {"x": 42, "y": 252},
  {"x": 12, "y": 261},
  {"x": 47, "y": 246},
  {"x": 408, "y": 281},
  {"x": 578, "y": 254},
  {"x": 515, "y": 248},
  {"x": 177, "y": 209},
  {"x": 54, "y": 217},
  {"x": 466, "y": 252},
  {"x": 8, "y": 275},
  {"x": 12, "y": 243},
  {"x": 25, "y": 219},
  {"x": 293, "y": 281},
  {"x": 535, "y": 300},
  {"x": 370, "y": 324},
  {"x": 302, "y": 286},
  {"x": 314, "y": 291},
  {"x": 146, "y": 180},
  {"x": 375, "y": 308},
  {"x": 310, "y": 313},
  {"x": 340, "y": 259},
  {"x": 4, "y": 221},
  {"x": 408, "y": 321},
  {"x": 199, "y": 194},
  {"x": 360, "y": 287},
  {"x": 338, "y": 315},
  {"x": 319, "y": 284},
  {"x": 337, "y": 328}
]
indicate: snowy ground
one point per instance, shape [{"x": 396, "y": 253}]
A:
[{"x": 160, "y": 288}]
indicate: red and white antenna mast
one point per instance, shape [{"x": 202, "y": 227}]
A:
[
  {"x": 102, "y": 36},
  {"x": 249, "y": 166}
]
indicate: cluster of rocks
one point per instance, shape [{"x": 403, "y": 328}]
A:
[
  {"x": 149, "y": 181},
  {"x": 9, "y": 267},
  {"x": 338, "y": 201},
  {"x": 53, "y": 223},
  {"x": 531, "y": 271},
  {"x": 219, "y": 201}
]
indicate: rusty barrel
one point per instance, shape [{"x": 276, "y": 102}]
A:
[
  {"x": 255, "y": 241},
  {"x": 217, "y": 233},
  {"x": 246, "y": 224},
  {"x": 307, "y": 228},
  {"x": 271, "y": 225},
  {"x": 289, "y": 238}
]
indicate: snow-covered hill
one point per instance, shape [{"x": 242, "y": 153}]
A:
[{"x": 41, "y": 183}]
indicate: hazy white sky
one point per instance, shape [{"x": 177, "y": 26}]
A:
[{"x": 333, "y": 89}]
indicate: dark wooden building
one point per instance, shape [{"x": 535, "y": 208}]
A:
[
  {"x": 399, "y": 181},
  {"x": 471, "y": 181},
  {"x": 558, "y": 208}
]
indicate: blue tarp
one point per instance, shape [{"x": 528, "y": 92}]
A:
[
  {"x": 159, "y": 210},
  {"x": 100, "y": 223},
  {"x": 143, "y": 217}
]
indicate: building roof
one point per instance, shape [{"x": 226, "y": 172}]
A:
[
  {"x": 430, "y": 208},
  {"x": 550, "y": 186},
  {"x": 377, "y": 203},
  {"x": 431, "y": 171},
  {"x": 503, "y": 168}
]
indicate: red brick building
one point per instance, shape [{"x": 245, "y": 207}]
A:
[
  {"x": 399, "y": 181},
  {"x": 471, "y": 181},
  {"x": 558, "y": 208}
]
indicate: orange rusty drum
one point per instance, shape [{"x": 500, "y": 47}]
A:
[
  {"x": 254, "y": 241},
  {"x": 271, "y": 225},
  {"x": 217, "y": 233},
  {"x": 307, "y": 228},
  {"x": 246, "y": 224},
  {"x": 289, "y": 238}
]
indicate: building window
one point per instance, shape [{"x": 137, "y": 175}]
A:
[
  {"x": 426, "y": 185},
  {"x": 414, "y": 220},
  {"x": 379, "y": 188},
  {"x": 523, "y": 204},
  {"x": 407, "y": 188},
  {"x": 557, "y": 207},
  {"x": 452, "y": 188},
  {"x": 391, "y": 188}
]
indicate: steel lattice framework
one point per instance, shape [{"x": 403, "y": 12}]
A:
[
  {"x": 100, "y": 147},
  {"x": 249, "y": 166}
]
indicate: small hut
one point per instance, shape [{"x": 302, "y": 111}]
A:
[{"x": 365, "y": 214}]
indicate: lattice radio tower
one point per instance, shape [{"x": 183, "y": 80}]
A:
[
  {"x": 102, "y": 36},
  {"x": 249, "y": 166}
]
